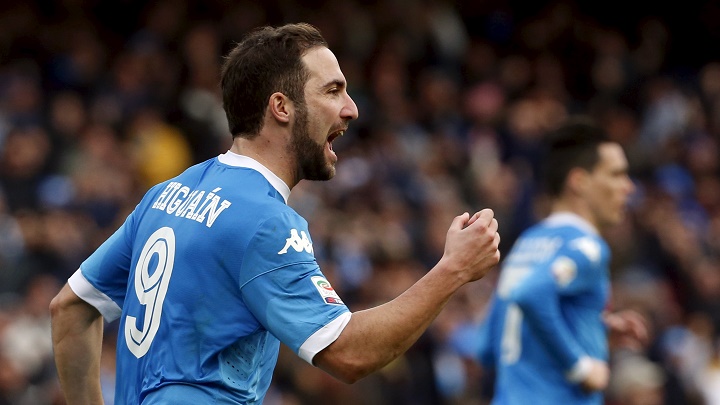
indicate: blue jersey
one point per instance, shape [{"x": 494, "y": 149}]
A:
[
  {"x": 547, "y": 314},
  {"x": 209, "y": 273}
]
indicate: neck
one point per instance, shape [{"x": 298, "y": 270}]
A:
[
  {"x": 272, "y": 155},
  {"x": 576, "y": 207}
]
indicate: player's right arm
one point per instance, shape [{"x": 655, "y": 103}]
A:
[
  {"x": 77, "y": 331},
  {"x": 376, "y": 336}
]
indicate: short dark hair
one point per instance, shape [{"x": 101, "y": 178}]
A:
[
  {"x": 574, "y": 144},
  {"x": 267, "y": 60}
]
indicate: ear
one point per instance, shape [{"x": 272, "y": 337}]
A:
[
  {"x": 280, "y": 107},
  {"x": 577, "y": 180}
]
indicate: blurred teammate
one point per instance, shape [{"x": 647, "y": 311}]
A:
[
  {"x": 545, "y": 333},
  {"x": 212, "y": 270}
]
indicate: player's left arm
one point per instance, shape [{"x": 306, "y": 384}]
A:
[
  {"x": 538, "y": 297},
  {"x": 93, "y": 294},
  {"x": 627, "y": 328},
  {"x": 572, "y": 272},
  {"x": 77, "y": 332}
]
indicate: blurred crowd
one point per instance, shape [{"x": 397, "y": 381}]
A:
[{"x": 99, "y": 100}]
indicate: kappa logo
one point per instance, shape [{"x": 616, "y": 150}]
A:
[{"x": 297, "y": 241}]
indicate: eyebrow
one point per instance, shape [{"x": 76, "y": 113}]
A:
[{"x": 335, "y": 82}]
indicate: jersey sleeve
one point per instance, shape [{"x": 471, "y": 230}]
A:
[
  {"x": 103, "y": 277},
  {"x": 577, "y": 267},
  {"x": 538, "y": 296},
  {"x": 283, "y": 287}
]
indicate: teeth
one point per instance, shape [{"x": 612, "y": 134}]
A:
[{"x": 341, "y": 133}]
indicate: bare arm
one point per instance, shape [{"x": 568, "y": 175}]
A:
[
  {"x": 376, "y": 336},
  {"x": 77, "y": 331}
]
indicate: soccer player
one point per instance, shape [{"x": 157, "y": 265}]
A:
[
  {"x": 545, "y": 334},
  {"x": 212, "y": 270}
]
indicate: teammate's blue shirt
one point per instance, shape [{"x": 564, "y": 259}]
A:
[
  {"x": 546, "y": 314},
  {"x": 209, "y": 273}
]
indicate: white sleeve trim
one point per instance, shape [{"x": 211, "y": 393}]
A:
[
  {"x": 323, "y": 337},
  {"x": 580, "y": 370},
  {"x": 83, "y": 289}
]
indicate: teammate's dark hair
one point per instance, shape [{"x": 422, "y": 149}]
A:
[
  {"x": 574, "y": 144},
  {"x": 266, "y": 61}
]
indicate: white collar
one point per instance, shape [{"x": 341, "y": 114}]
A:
[
  {"x": 572, "y": 219},
  {"x": 233, "y": 159}
]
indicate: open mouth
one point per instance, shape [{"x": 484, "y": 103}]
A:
[{"x": 334, "y": 136}]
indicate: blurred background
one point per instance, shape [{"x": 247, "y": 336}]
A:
[{"x": 100, "y": 99}]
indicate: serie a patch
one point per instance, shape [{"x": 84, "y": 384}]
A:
[
  {"x": 564, "y": 271},
  {"x": 326, "y": 291}
]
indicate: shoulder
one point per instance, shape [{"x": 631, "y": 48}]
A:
[
  {"x": 190, "y": 173},
  {"x": 591, "y": 247},
  {"x": 575, "y": 234}
]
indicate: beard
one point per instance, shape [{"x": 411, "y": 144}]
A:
[{"x": 311, "y": 161}]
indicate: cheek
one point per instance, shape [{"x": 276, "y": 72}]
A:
[
  {"x": 317, "y": 129},
  {"x": 621, "y": 189},
  {"x": 605, "y": 196}
]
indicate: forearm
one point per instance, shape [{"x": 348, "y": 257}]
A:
[
  {"x": 542, "y": 313},
  {"x": 540, "y": 307},
  {"x": 376, "y": 336},
  {"x": 77, "y": 332}
]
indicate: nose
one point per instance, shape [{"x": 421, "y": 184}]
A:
[
  {"x": 630, "y": 185},
  {"x": 350, "y": 110}
]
